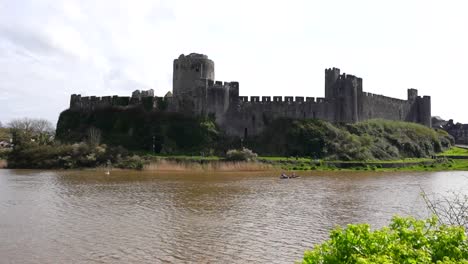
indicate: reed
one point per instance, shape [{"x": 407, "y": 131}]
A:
[
  {"x": 3, "y": 164},
  {"x": 166, "y": 165}
]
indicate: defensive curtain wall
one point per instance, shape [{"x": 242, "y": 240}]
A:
[{"x": 195, "y": 92}]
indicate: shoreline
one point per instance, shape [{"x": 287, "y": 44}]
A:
[
  {"x": 3, "y": 164},
  {"x": 213, "y": 163},
  {"x": 218, "y": 164}
]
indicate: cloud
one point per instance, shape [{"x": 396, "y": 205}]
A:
[
  {"x": 31, "y": 41},
  {"x": 50, "y": 49}
]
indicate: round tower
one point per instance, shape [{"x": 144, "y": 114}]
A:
[{"x": 188, "y": 69}]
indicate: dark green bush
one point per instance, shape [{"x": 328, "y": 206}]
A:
[
  {"x": 80, "y": 155},
  {"x": 131, "y": 162},
  {"x": 240, "y": 155},
  {"x": 138, "y": 129},
  {"x": 170, "y": 133},
  {"x": 368, "y": 140}
]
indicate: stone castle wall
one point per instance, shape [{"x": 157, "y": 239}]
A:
[
  {"x": 138, "y": 98},
  {"x": 196, "y": 93},
  {"x": 251, "y": 116}
]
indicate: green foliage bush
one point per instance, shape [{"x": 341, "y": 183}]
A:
[
  {"x": 369, "y": 140},
  {"x": 131, "y": 162},
  {"x": 240, "y": 155},
  {"x": 30, "y": 155},
  {"x": 405, "y": 240},
  {"x": 5, "y": 134},
  {"x": 288, "y": 137},
  {"x": 4, "y": 153},
  {"x": 138, "y": 129}
]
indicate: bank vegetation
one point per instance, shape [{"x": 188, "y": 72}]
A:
[{"x": 135, "y": 139}]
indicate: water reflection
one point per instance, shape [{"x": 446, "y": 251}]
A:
[{"x": 86, "y": 216}]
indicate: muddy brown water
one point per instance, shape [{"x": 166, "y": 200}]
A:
[{"x": 175, "y": 217}]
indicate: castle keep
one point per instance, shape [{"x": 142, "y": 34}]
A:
[{"x": 195, "y": 92}]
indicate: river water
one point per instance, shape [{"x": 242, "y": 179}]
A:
[{"x": 147, "y": 217}]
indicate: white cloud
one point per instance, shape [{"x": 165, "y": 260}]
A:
[{"x": 50, "y": 49}]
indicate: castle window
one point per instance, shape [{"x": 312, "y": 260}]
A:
[
  {"x": 177, "y": 66},
  {"x": 197, "y": 69}
]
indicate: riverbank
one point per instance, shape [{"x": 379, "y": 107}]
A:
[
  {"x": 214, "y": 163},
  {"x": 218, "y": 164},
  {"x": 455, "y": 158},
  {"x": 209, "y": 164}
]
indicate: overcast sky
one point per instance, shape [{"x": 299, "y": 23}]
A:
[{"x": 51, "y": 49}]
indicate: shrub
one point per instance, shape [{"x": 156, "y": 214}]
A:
[
  {"x": 240, "y": 155},
  {"x": 368, "y": 140},
  {"x": 133, "y": 162},
  {"x": 4, "y": 153},
  {"x": 135, "y": 128},
  {"x": 78, "y": 155},
  {"x": 406, "y": 240}
]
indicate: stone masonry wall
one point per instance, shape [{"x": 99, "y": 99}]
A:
[
  {"x": 196, "y": 93},
  {"x": 379, "y": 106},
  {"x": 251, "y": 116}
]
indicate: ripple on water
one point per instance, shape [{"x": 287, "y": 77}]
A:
[{"x": 177, "y": 218}]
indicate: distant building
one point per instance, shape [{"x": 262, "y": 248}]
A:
[
  {"x": 438, "y": 122},
  {"x": 457, "y": 130},
  {"x": 5, "y": 144},
  {"x": 195, "y": 92}
]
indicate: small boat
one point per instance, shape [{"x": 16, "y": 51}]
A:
[{"x": 285, "y": 176}]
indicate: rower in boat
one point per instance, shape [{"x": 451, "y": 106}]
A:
[{"x": 285, "y": 176}]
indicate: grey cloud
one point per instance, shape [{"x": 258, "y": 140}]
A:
[
  {"x": 161, "y": 12},
  {"x": 116, "y": 80},
  {"x": 29, "y": 40}
]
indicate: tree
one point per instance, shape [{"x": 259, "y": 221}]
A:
[
  {"x": 27, "y": 129},
  {"x": 450, "y": 209},
  {"x": 94, "y": 136}
]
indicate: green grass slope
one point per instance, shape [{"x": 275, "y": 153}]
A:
[{"x": 368, "y": 140}]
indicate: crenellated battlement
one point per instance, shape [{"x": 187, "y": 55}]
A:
[
  {"x": 208, "y": 83},
  {"x": 138, "y": 97},
  {"x": 383, "y": 97},
  {"x": 195, "y": 91},
  {"x": 280, "y": 99}
]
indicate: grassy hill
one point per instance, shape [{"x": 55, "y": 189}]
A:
[
  {"x": 368, "y": 140},
  {"x": 170, "y": 133}
]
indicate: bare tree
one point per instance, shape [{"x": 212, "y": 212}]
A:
[
  {"x": 22, "y": 124},
  {"x": 32, "y": 125},
  {"x": 40, "y": 130},
  {"x": 450, "y": 209},
  {"x": 94, "y": 136}
]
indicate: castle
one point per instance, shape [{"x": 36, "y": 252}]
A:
[{"x": 195, "y": 92}]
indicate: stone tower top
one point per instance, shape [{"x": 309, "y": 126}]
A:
[
  {"x": 194, "y": 55},
  {"x": 188, "y": 69}
]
